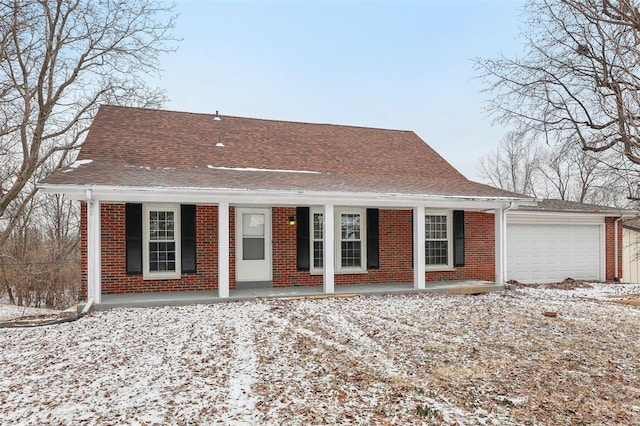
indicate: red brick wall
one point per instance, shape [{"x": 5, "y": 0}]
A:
[
  {"x": 395, "y": 252},
  {"x": 479, "y": 250},
  {"x": 114, "y": 277},
  {"x": 610, "y": 248}
]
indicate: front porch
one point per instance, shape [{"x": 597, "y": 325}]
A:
[
  {"x": 303, "y": 248},
  {"x": 128, "y": 300}
]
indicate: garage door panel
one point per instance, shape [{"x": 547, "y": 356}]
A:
[{"x": 548, "y": 253}]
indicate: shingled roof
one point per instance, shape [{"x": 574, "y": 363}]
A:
[
  {"x": 563, "y": 206},
  {"x": 135, "y": 147}
]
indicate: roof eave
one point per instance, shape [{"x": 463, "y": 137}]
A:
[
  {"x": 279, "y": 197},
  {"x": 556, "y": 212}
]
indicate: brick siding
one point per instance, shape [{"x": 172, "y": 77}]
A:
[
  {"x": 610, "y": 245},
  {"x": 395, "y": 234},
  {"x": 113, "y": 244}
]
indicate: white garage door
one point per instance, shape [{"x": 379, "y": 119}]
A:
[{"x": 551, "y": 253}]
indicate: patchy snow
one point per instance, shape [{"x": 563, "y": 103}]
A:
[
  {"x": 8, "y": 312},
  {"x": 253, "y": 169},
  {"x": 76, "y": 164},
  {"x": 493, "y": 359},
  {"x": 595, "y": 291}
]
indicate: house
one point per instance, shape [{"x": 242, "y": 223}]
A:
[
  {"x": 558, "y": 239},
  {"x": 631, "y": 250},
  {"x": 177, "y": 201}
]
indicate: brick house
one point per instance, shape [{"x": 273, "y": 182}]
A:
[{"x": 175, "y": 201}]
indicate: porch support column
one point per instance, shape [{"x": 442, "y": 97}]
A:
[
  {"x": 223, "y": 250},
  {"x": 94, "y": 261},
  {"x": 418, "y": 252},
  {"x": 328, "y": 250},
  {"x": 501, "y": 245}
]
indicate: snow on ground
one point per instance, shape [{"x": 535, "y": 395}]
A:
[
  {"x": 8, "y": 312},
  {"x": 378, "y": 360}
]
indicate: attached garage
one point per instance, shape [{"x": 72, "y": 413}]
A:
[
  {"x": 552, "y": 252},
  {"x": 563, "y": 239}
]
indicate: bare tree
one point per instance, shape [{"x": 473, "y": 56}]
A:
[
  {"x": 58, "y": 61},
  {"x": 560, "y": 171},
  {"x": 579, "y": 79},
  {"x": 514, "y": 165}
]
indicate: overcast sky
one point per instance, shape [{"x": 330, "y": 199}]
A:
[{"x": 389, "y": 64}]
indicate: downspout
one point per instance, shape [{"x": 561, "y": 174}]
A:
[{"x": 616, "y": 278}]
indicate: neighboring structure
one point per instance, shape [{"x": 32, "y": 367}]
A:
[
  {"x": 563, "y": 239},
  {"x": 175, "y": 201},
  {"x": 631, "y": 251}
]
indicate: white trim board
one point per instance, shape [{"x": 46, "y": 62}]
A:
[{"x": 284, "y": 198}]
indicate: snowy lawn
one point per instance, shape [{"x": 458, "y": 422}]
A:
[
  {"x": 379, "y": 360},
  {"x": 8, "y": 312}
]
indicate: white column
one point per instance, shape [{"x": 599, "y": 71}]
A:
[
  {"x": 223, "y": 250},
  {"x": 501, "y": 245},
  {"x": 94, "y": 261},
  {"x": 328, "y": 285},
  {"x": 418, "y": 248}
]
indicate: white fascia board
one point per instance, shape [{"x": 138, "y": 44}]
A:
[
  {"x": 531, "y": 217},
  {"x": 272, "y": 197}
]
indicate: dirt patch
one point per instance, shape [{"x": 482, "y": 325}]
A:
[
  {"x": 566, "y": 284},
  {"x": 626, "y": 299}
]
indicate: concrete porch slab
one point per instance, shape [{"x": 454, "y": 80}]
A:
[{"x": 209, "y": 297}]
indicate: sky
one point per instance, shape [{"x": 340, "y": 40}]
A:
[{"x": 389, "y": 64}]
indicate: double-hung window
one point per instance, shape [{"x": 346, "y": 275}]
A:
[
  {"x": 438, "y": 245},
  {"x": 161, "y": 248},
  {"x": 317, "y": 245},
  {"x": 350, "y": 240}
]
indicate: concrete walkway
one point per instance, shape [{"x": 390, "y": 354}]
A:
[{"x": 208, "y": 297}]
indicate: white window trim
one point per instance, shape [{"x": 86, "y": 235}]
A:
[
  {"x": 161, "y": 275},
  {"x": 312, "y": 212},
  {"x": 449, "y": 265},
  {"x": 338, "y": 239},
  {"x": 339, "y": 269}
]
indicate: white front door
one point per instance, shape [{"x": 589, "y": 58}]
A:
[{"x": 253, "y": 245}]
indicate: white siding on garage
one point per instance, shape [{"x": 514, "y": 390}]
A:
[
  {"x": 552, "y": 252},
  {"x": 630, "y": 256}
]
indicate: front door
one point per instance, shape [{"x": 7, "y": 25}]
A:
[{"x": 253, "y": 247}]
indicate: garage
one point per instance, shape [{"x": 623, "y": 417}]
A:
[{"x": 551, "y": 252}]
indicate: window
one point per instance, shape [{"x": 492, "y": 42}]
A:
[
  {"x": 161, "y": 248},
  {"x": 350, "y": 240},
  {"x": 253, "y": 236},
  {"x": 317, "y": 234},
  {"x": 438, "y": 239}
]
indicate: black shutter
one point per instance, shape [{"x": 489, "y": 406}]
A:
[
  {"x": 458, "y": 238},
  {"x": 373, "y": 257},
  {"x": 188, "y": 237},
  {"x": 133, "y": 235},
  {"x": 302, "y": 238}
]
